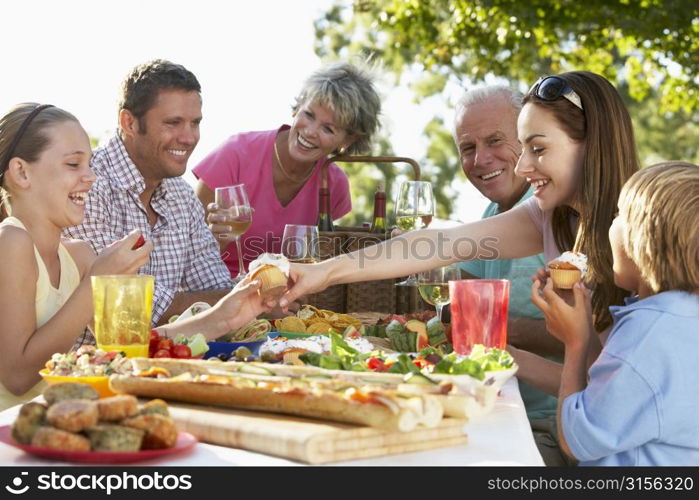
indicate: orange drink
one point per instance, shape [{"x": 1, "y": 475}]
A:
[{"x": 131, "y": 351}]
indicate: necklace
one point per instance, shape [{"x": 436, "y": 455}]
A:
[{"x": 286, "y": 174}]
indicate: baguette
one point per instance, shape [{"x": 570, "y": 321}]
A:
[
  {"x": 454, "y": 404},
  {"x": 344, "y": 402}
]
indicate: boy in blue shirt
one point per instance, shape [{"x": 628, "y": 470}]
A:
[{"x": 639, "y": 401}]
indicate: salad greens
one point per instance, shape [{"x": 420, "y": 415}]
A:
[{"x": 342, "y": 356}]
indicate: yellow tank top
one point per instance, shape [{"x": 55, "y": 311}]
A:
[{"x": 48, "y": 301}]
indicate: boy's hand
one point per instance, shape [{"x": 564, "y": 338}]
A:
[
  {"x": 569, "y": 319},
  {"x": 541, "y": 276}
]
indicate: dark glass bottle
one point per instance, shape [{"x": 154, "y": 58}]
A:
[
  {"x": 325, "y": 220},
  {"x": 378, "y": 224}
]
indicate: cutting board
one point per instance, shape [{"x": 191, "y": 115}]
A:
[{"x": 307, "y": 440}]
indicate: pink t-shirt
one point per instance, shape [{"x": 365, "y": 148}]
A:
[
  {"x": 247, "y": 158},
  {"x": 542, "y": 220}
]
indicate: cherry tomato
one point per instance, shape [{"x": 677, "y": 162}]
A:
[
  {"x": 162, "y": 353},
  {"x": 139, "y": 242},
  {"x": 376, "y": 364},
  {"x": 420, "y": 362},
  {"x": 153, "y": 343},
  {"x": 165, "y": 343},
  {"x": 181, "y": 351}
]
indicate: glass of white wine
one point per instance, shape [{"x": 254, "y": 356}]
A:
[
  {"x": 414, "y": 209},
  {"x": 300, "y": 244},
  {"x": 234, "y": 205},
  {"x": 433, "y": 285}
]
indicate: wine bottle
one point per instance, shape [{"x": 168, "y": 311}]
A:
[
  {"x": 378, "y": 224},
  {"x": 325, "y": 220}
]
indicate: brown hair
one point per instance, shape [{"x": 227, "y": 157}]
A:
[
  {"x": 140, "y": 88},
  {"x": 660, "y": 204},
  {"x": 604, "y": 127},
  {"x": 33, "y": 142}
]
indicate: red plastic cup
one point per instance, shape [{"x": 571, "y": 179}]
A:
[{"x": 479, "y": 313}]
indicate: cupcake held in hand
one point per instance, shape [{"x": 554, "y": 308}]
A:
[
  {"x": 273, "y": 272},
  {"x": 567, "y": 269}
]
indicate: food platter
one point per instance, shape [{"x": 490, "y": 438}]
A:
[
  {"x": 298, "y": 335},
  {"x": 185, "y": 441},
  {"x": 228, "y": 347},
  {"x": 99, "y": 383}
]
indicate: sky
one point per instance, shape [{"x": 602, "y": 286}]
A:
[{"x": 250, "y": 57}]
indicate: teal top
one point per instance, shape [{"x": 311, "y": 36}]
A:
[{"x": 519, "y": 271}]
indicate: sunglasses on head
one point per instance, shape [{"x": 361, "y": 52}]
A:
[{"x": 550, "y": 88}]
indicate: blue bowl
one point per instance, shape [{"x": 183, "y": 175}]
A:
[{"x": 216, "y": 348}]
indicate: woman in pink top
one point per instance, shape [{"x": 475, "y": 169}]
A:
[{"x": 336, "y": 111}]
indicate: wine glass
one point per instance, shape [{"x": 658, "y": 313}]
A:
[
  {"x": 433, "y": 285},
  {"x": 234, "y": 205},
  {"x": 301, "y": 244},
  {"x": 414, "y": 209}
]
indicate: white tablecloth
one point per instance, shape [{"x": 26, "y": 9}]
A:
[{"x": 502, "y": 437}]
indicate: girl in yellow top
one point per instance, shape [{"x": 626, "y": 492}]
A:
[{"x": 45, "y": 292}]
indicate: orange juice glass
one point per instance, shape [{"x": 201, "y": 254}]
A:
[{"x": 123, "y": 307}]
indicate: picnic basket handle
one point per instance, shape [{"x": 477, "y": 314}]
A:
[{"x": 368, "y": 159}]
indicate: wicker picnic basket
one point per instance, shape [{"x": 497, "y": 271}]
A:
[{"x": 380, "y": 296}]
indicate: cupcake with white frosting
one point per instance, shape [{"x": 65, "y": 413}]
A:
[
  {"x": 273, "y": 271},
  {"x": 567, "y": 269}
]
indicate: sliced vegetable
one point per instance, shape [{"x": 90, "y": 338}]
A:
[
  {"x": 418, "y": 378},
  {"x": 254, "y": 369}
]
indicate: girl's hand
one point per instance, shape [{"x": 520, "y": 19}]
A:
[
  {"x": 242, "y": 305},
  {"x": 121, "y": 258},
  {"x": 570, "y": 321},
  {"x": 306, "y": 279}
]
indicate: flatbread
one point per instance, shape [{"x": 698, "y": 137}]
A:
[{"x": 352, "y": 403}]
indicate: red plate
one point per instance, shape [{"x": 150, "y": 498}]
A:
[{"x": 185, "y": 441}]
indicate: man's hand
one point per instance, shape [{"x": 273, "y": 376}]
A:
[{"x": 242, "y": 305}]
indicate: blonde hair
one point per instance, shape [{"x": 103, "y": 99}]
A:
[
  {"x": 660, "y": 205},
  {"x": 604, "y": 127},
  {"x": 349, "y": 91}
]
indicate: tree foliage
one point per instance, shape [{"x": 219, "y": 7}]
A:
[
  {"x": 646, "y": 43},
  {"x": 648, "y": 48}
]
